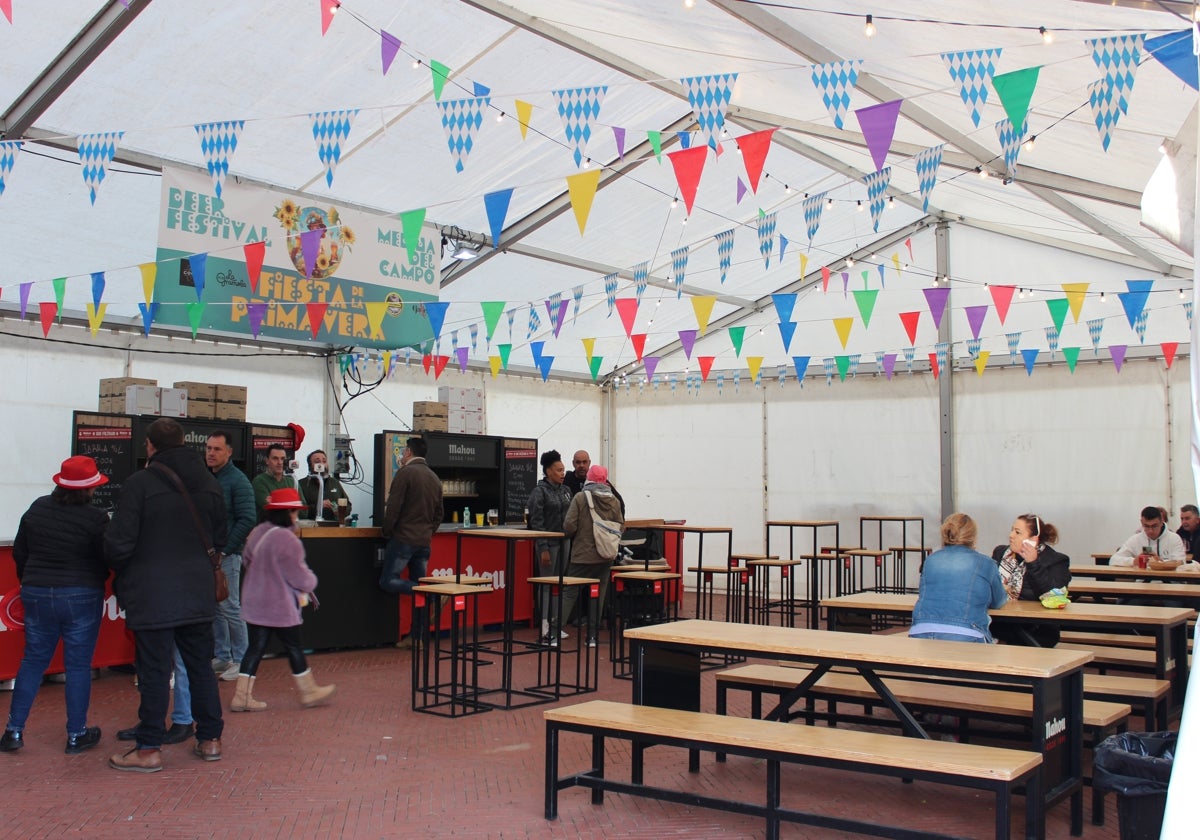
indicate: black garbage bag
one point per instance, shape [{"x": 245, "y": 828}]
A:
[{"x": 1135, "y": 763}]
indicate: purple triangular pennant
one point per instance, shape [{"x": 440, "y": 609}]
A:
[
  {"x": 255, "y": 313},
  {"x": 878, "y": 123},
  {"x": 975, "y": 316},
  {"x": 688, "y": 339},
  {"x": 310, "y": 247},
  {"x": 389, "y": 45},
  {"x": 619, "y": 138},
  {"x": 936, "y": 299}
]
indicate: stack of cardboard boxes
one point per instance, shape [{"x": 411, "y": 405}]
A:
[
  {"x": 465, "y": 410},
  {"x": 430, "y": 417},
  {"x": 131, "y": 395},
  {"x": 211, "y": 401}
]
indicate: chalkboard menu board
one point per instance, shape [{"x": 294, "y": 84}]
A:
[
  {"x": 109, "y": 442},
  {"x": 520, "y": 477},
  {"x": 262, "y": 438}
]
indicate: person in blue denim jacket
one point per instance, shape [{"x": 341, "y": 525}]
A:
[{"x": 958, "y": 587}]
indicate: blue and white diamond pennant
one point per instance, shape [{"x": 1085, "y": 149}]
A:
[
  {"x": 218, "y": 142},
  {"x": 610, "y": 290},
  {"x": 725, "y": 251},
  {"x": 973, "y": 347},
  {"x": 1187, "y": 310},
  {"x": 578, "y": 108},
  {"x": 679, "y": 261},
  {"x": 1105, "y": 108},
  {"x": 1014, "y": 342},
  {"x": 1095, "y": 328},
  {"x": 812, "y": 207},
  {"x": 1010, "y": 143},
  {"x": 1140, "y": 325},
  {"x": 535, "y": 322},
  {"x": 512, "y": 316},
  {"x": 830, "y": 365},
  {"x": 942, "y": 348},
  {"x": 766, "y": 237},
  {"x": 1052, "y": 339},
  {"x": 330, "y": 129},
  {"x": 553, "y": 307},
  {"x": 96, "y": 151},
  {"x": 855, "y": 358},
  {"x": 709, "y": 96},
  {"x": 641, "y": 278},
  {"x": 834, "y": 81},
  {"x": 461, "y": 119},
  {"x": 973, "y": 71},
  {"x": 1118, "y": 57},
  {"x": 8, "y": 156},
  {"x": 877, "y": 185},
  {"x": 928, "y": 161},
  {"x": 909, "y": 354},
  {"x": 577, "y": 297},
  {"x": 474, "y": 331}
]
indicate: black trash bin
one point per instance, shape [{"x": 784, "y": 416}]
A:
[{"x": 1137, "y": 767}]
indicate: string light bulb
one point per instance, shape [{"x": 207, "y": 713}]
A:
[
  {"x": 860, "y": 207},
  {"x": 869, "y": 29},
  {"x": 1047, "y": 35},
  {"x": 829, "y": 203},
  {"x": 674, "y": 203},
  {"x": 983, "y": 173},
  {"x": 500, "y": 117},
  {"x": 689, "y": 4},
  {"x": 891, "y": 201},
  {"x": 1103, "y": 299},
  {"x": 787, "y": 190},
  {"x": 1181, "y": 294},
  {"x": 416, "y": 63},
  {"x": 849, "y": 262},
  {"x": 1021, "y": 294},
  {"x": 1028, "y": 144}
]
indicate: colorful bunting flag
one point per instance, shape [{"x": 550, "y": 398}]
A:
[
  {"x": 801, "y": 365},
  {"x": 96, "y": 151},
  {"x": 1014, "y": 341},
  {"x": 1071, "y": 354},
  {"x": 316, "y": 316},
  {"x": 47, "y": 311},
  {"x": 496, "y": 205},
  {"x": 725, "y": 251},
  {"x": 787, "y": 329},
  {"x": 927, "y": 162},
  {"x": 909, "y": 353},
  {"x": 865, "y": 298},
  {"x": 687, "y": 338},
  {"x": 784, "y": 303},
  {"x": 843, "y": 326},
  {"x": 754, "y": 148},
  {"x": 754, "y": 363},
  {"x": 910, "y": 321},
  {"x": 1134, "y": 300},
  {"x": 1169, "y": 349},
  {"x": 766, "y": 236},
  {"x": 973, "y": 347},
  {"x": 461, "y": 119},
  {"x": 679, "y": 261},
  {"x": 1106, "y": 110},
  {"x": 577, "y": 299},
  {"x": 1015, "y": 90},
  {"x": 330, "y": 129},
  {"x": 688, "y": 165},
  {"x": 972, "y": 70},
  {"x": 535, "y": 323},
  {"x": 736, "y": 336},
  {"x": 389, "y": 45},
  {"x": 1117, "y": 352},
  {"x": 833, "y": 81},
  {"x": 975, "y": 318},
  {"x": 1058, "y": 311},
  {"x": 1140, "y": 325},
  {"x": 1075, "y": 292},
  {"x": 328, "y": 10},
  {"x": 1030, "y": 356},
  {"x": 525, "y": 113},
  {"x": 877, "y": 186},
  {"x": 578, "y": 109},
  {"x": 942, "y": 349},
  {"x": 1175, "y": 51},
  {"x": 830, "y": 365},
  {"x": 702, "y": 306},
  {"x": 709, "y": 97},
  {"x": 1010, "y": 142},
  {"x": 878, "y": 124},
  {"x": 218, "y": 142},
  {"x": 8, "y": 158},
  {"x": 581, "y": 188},
  {"x": 148, "y": 311},
  {"x": 1052, "y": 334},
  {"x": 610, "y": 290},
  {"x": 1095, "y": 328},
  {"x": 936, "y": 299},
  {"x": 812, "y": 207},
  {"x": 641, "y": 278},
  {"x": 438, "y": 73},
  {"x": 889, "y": 365},
  {"x": 1002, "y": 298}
]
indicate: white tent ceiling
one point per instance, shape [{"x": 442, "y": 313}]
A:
[{"x": 158, "y": 67}]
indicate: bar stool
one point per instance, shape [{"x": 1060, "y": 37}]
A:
[
  {"x": 737, "y": 581},
  {"x": 641, "y": 598},
  {"x": 879, "y": 568},
  {"x": 899, "y": 570},
  {"x": 550, "y": 654},
  {"x": 762, "y": 607},
  {"x": 445, "y": 676}
]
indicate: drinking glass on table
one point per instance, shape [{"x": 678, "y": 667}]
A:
[{"x": 493, "y": 517}]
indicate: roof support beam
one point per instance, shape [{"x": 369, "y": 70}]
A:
[{"x": 87, "y": 45}]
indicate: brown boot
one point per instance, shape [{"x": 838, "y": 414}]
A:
[
  {"x": 208, "y": 750},
  {"x": 137, "y": 761},
  {"x": 243, "y": 698},
  {"x": 312, "y": 694}
]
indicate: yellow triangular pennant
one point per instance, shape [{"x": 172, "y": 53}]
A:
[
  {"x": 703, "y": 306},
  {"x": 896, "y": 262},
  {"x": 95, "y": 317},
  {"x": 387, "y": 363},
  {"x": 803, "y": 265},
  {"x": 494, "y": 362},
  {"x": 582, "y": 189},
  {"x": 149, "y": 272},
  {"x": 843, "y": 325},
  {"x": 375, "y": 312},
  {"x": 1075, "y": 294},
  {"x": 981, "y": 361},
  {"x": 589, "y": 346},
  {"x": 524, "y": 112},
  {"x": 754, "y": 363}
]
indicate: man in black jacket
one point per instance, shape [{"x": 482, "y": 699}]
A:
[{"x": 164, "y": 583}]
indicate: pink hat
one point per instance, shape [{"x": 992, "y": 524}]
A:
[
  {"x": 286, "y": 498},
  {"x": 79, "y": 472},
  {"x": 597, "y": 474}
]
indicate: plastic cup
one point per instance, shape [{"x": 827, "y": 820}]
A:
[{"x": 479, "y": 519}]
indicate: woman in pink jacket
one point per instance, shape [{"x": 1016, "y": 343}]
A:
[{"x": 276, "y": 582}]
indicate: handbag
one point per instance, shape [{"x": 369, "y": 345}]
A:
[
  {"x": 222, "y": 583},
  {"x": 605, "y": 532}
]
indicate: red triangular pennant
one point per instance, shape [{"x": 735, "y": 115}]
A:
[
  {"x": 933, "y": 365},
  {"x": 426, "y": 361},
  {"x": 754, "y": 148},
  {"x": 706, "y": 363},
  {"x": 439, "y": 365},
  {"x": 254, "y": 252},
  {"x": 328, "y": 10},
  {"x": 639, "y": 344},
  {"x": 1002, "y": 297},
  {"x": 48, "y": 311},
  {"x": 688, "y": 164},
  {"x": 1169, "y": 348},
  {"x": 628, "y": 308},
  {"x": 910, "y": 320},
  {"x": 316, "y": 316},
  {"x": 825, "y": 279}
]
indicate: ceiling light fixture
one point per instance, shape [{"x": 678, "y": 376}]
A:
[
  {"x": 457, "y": 244},
  {"x": 869, "y": 29}
]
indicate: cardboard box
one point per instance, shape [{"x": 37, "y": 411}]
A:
[
  {"x": 172, "y": 402},
  {"x": 466, "y": 422},
  {"x": 112, "y": 405},
  {"x": 231, "y": 394},
  {"x": 470, "y": 399},
  {"x": 201, "y": 409},
  {"x": 116, "y": 387},
  {"x": 425, "y": 423},
  {"x": 202, "y": 391},
  {"x": 430, "y": 409},
  {"x": 141, "y": 399},
  {"x": 229, "y": 411}
]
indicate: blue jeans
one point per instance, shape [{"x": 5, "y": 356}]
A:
[
  {"x": 397, "y": 557},
  {"x": 229, "y": 630},
  {"x": 181, "y": 707},
  {"x": 70, "y": 613},
  {"x": 950, "y": 637}
]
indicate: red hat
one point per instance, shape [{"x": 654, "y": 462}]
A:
[
  {"x": 287, "y": 498},
  {"x": 297, "y": 434},
  {"x": 79, "y": 472}
]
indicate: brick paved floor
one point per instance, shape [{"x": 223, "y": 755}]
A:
[{"x": 368, "y": 766}]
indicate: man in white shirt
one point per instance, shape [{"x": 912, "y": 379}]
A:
[{"x": 1162, "y": 548}]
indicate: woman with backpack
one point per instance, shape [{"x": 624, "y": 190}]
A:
[{"x": 594, "y": 522}]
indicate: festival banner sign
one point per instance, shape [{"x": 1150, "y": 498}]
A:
[{"x": 358, "y": 258}]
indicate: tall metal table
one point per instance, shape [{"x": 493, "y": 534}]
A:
[{"x": 814, "y": 568}]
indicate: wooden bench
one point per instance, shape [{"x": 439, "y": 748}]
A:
[
  {"x": 994, "y": 769},
  {"x": 1103, "y": 657},
  {"x": 1100, "y": 717},
  {"x": 1147, "y": 694}
]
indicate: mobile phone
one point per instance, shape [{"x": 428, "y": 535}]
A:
[{"x": 1030, "y": 543}]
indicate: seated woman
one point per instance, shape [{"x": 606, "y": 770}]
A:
[
  {"x": 958, "y": 587},
  {"x": 1030, "y": 568}
]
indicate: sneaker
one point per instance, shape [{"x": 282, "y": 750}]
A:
[
  {"x": 591, "y": 642},
  {"x": 12, "y": 741},
  {"x": 219, "y": 665},
  {"x": 85, "y": 740},
  {"x": 550, "y": 640},
  {"x": 563, "y": 634},
  {"x": 231, "y": 672}
]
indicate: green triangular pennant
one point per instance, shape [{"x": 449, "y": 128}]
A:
[
  {"x": 504, "y": 349},
  {"x": 1015, "y": 90},
  {"x": 843, "y": 365},
  {"x": 594, "y": 364},
  {"x": 1071, "y": 354},
  {"x": 655, "y": 138},
  {"x": 411, "y": 222},
  {"x": 865, "y": 298},
  {"x": 492, "y": 310},
  {"x": 737, "y": 335},
  {"x": 1058, "y": 311},
  {"x": 440, "y": 73},
  {"x": 195, "y": 311},
  {"x": 60, "y": 290}
]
